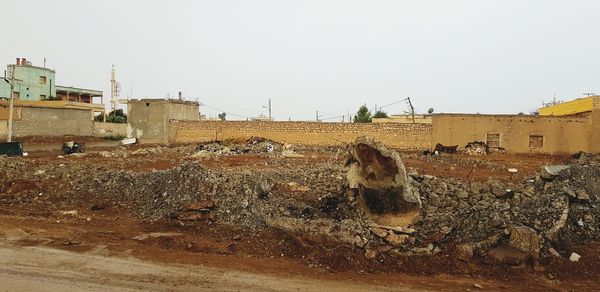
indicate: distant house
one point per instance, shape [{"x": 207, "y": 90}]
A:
[{"x": 39, "y": 84}]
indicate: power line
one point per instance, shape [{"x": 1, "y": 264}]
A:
[
  {"x": 372, "y": 109},
  {"x": 218, "y": 109}
]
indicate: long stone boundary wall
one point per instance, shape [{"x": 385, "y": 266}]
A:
[
  {"x": 110, "y": 129},
  {"x": 53, "y": 122},
  {"x": 402, "y": 136}
]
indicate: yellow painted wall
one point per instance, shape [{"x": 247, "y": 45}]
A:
[
  {"x": 561, "y": 134},
  {"x": 577, "y": 106}
]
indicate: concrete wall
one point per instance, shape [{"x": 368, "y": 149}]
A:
[
  {"x": 560, "y": 134},
  {"x": 403, "y": 136},
  {"x": 110, "y": 129},
  {"x": 148, "y": 119},
  {"x": 53, "y": 122}
]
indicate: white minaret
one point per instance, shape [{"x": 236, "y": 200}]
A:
[{"x": 114, "y": 89}]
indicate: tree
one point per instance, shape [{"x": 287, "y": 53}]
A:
[
  {"x": 363, "y": 115},
  {"x": 380, "y": 114},
  {"x": 430, "y": 111},
  {"x": 222, "y": 116},
  {"x": 116, "y": 116}
]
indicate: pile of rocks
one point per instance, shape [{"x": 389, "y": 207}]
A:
[
  {"x": 316, "y": 200},
  {"x": 254, "y": 145},
  {"x": 476, "y": 148}
]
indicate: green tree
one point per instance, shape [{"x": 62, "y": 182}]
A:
[
  {"x": 380, "y": 114},
  {"x": 116, "y": 116},
  {"x": 222, "y": 116},
  {"x": 363, "y": 115}
]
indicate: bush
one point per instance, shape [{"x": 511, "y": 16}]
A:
[{"x": 116, "y": 116}]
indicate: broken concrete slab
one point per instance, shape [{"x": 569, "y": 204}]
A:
[
  {"x": 525, "y": 239},
  {"x": 548, "y": 172},
  {"x": 380, "y": 178}
]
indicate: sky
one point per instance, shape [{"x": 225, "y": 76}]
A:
[{"x": 329, "y": 56}]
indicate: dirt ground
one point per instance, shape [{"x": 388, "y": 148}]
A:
[{"x": 102, "y": 248}]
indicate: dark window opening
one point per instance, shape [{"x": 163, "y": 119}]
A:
[
  {"x": 493, "y": 140},
  {"x": 536, "y": 141}
]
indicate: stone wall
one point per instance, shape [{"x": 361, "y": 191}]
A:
[
  {"x": 110, "y": 129},
  {"x": 565, "y": 134},
  {"x": 403, "y": 136},
  {"x": 53, "y": 122}
]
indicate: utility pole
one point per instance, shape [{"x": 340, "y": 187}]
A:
[
  {"x": 318, "y": 116},
  {"x": 12, "y": 102},
  {"x": 412, "y": 109}
]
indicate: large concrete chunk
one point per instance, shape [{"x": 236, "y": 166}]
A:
[{"x": 380, "y": 178}]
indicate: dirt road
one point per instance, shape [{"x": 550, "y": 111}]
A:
[{"x": 46, "y": 269}]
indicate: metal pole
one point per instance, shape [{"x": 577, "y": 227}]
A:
[
  {"x": 412, "y": 109},
  {"x": 269, "y": 109},
  {"x": 10, "y": 112}
]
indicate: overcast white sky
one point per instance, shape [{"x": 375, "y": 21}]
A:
[{"x": 331, "y": 56}]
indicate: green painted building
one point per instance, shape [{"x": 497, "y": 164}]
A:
[{"x": 34, "y": 83}]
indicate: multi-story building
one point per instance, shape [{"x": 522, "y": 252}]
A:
[{"x": 32, "y": 83}]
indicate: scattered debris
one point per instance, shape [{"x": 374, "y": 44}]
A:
[
  {"x": 70, "y": 212},
  {"x": 574, "y": 257},
  {"x": 72, "y": 147},
  {"x": 476, "y": 148},
  {"x": 439, "y": 148},
  {"x": 128, "y": 141}
]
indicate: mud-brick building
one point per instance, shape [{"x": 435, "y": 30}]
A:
[{"x": 563, "y": 128}]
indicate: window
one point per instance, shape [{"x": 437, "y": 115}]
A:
[
  {"x": 147, "y": 104},
  {"x": 42, "y": 79},
  {"x": 536, "y": 141},
  {"x": 493, "y": 140}
]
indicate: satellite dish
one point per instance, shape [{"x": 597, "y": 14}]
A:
[{"x": 430, "y": 111}]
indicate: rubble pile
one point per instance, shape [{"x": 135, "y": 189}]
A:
[
  {"x": 359, "y": 203},
  {"x": 254, "y": 145},
  {"x": 476, "y": 148}
]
